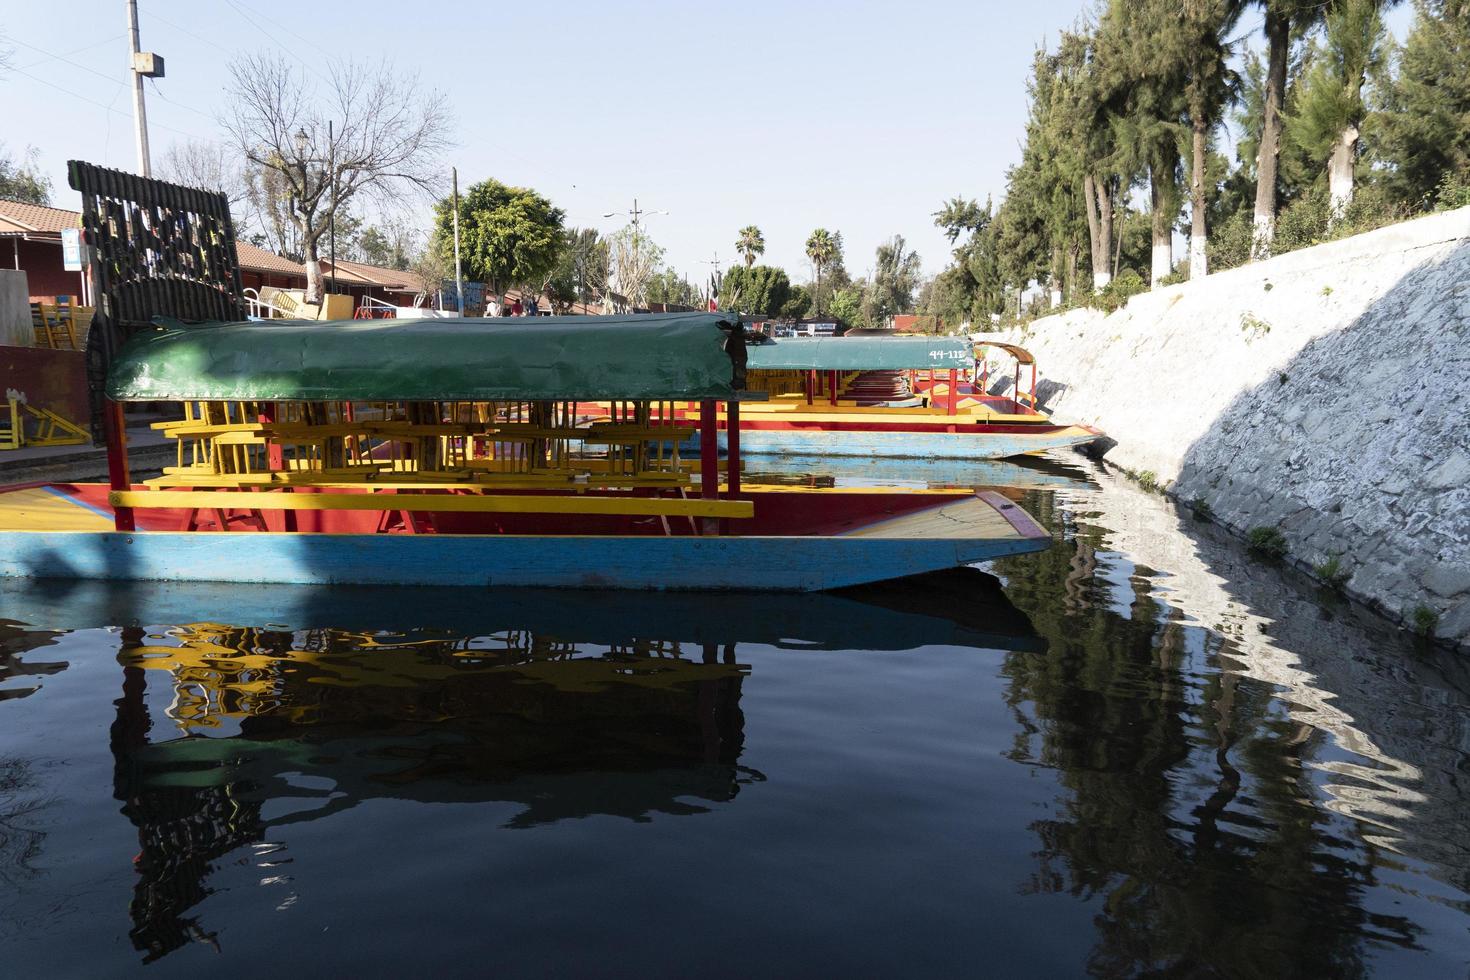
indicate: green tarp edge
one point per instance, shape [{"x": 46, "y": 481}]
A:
[
  {"x": 636, "y": 357},
  {"x": 861, "y": 353}
]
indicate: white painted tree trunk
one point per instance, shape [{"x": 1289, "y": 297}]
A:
[
  {"x": 1340, "y": 171},
  {"x": 1163, "y": 261},
  {"x": 1262, "y": 235},
  {"x": 1056, "y": 296},
  {"x": 1100, "y": 280},
  {"x": 1198, "y": 266}
]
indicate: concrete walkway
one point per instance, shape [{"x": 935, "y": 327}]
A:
[{"x": 147, "y": 453}]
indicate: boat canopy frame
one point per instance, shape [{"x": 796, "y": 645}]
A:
[
  {"x": 1023, "y": 358},
  {"x": 850, "y": 353}
]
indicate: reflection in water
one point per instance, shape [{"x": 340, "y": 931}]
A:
[
  {"x": 326, "y": 719},
  {"x": 1170, "y": 759},
  {"x": 1204, "y": 765}
]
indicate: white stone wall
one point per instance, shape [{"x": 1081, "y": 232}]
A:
[{"x": 1325, "y": 392}]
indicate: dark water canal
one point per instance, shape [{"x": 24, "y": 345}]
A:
[{"x": 1136, "y": 753}]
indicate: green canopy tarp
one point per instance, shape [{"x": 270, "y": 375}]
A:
[
  {"x": 649, "y": 357},
  {"x": 861, "y": 353}
]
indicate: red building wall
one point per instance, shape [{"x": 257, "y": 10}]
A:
[{"x": 41, "y": 262}]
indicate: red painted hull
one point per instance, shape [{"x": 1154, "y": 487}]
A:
[{"x": 778, "y": 511}]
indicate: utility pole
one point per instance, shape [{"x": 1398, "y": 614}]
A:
[
  {"x": 332, "y": 218},
  {"x": 714, "y": 274},
  {"x": 458, "y": 280},
  {"x": 141, "y": 65}
]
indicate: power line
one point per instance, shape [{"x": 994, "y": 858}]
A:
[
  {"x": 50, "y": 84},
  {"x": 57, "y": 57},
  {"x": 155, "y": 15},
  {"x": 89, "y": 47},
  {"x": 236, "y": 7}
]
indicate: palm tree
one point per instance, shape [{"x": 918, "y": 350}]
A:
[
  {"x": 821, "y": 249},
  {"x": 750, "y": 244}
]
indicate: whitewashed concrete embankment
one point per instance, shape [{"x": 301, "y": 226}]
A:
[{"x": 1325, "y": 392}]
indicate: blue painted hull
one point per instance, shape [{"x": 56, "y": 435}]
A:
[
  {"x": 896, "y": 445},
  {"x": 677, "y": 563}
]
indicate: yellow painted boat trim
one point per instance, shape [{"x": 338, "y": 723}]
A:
[{"x": 442, "y": 503}]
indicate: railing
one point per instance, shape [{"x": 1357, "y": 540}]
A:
[{"x": 372, "y": 308}]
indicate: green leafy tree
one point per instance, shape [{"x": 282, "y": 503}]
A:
[
  {"x": 797, "y": 304},
  {"x": 581, "y": 271},
  {"x": 1424, "y": 126},
  {"x": 1331, "y": 108},
  {"x": 388, "y": 245},
  {"x": 1141, "y": 44},
  {"x": 750, "y": 244},
  {"x": 896, "y": 272},
  {"x": 847, "y": 304},
  {"x": 22, "y": 180},
  {"x": 970, "y": 288},
  {"x": 670, "y": 288},
  {"x": 821, "y": 249},
  {"x": 756, "y": 289},
  {"x": 508, "y": 235}
]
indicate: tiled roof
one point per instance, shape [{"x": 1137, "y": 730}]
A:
[
  {"x": 17, "y": 216},
  {"x": 259, "y": 260},
  {"x": 20, "y": 216}
]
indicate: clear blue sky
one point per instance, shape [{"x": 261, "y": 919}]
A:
[{"x": 860, "y": 117}]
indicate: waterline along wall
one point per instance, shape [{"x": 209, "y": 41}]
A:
[{"x": 1325, "y": 393}]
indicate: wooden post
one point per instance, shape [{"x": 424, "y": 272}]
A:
[
  {"x": 811, "y": 386},
  {"x": 114, "y": 430},
  {"x": 275, "y": 460},
  {"x": 954, "y": 391},
  {"x": 709, "y": 461},
  {"x": 832, "y": 383},
  {"x": 732, "y": 449}
]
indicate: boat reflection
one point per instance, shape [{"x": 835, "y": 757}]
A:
[{"x": 552, "y": 705}]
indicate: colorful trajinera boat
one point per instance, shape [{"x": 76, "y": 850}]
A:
[
  {"x": 461, "y": 453},
  {"x": 890, "y": 396}
]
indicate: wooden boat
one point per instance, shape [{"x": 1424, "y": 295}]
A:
[
  {"x": 493, "y": 476},
  {"x": 889, "y": 396}
]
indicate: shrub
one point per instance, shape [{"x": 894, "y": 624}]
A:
[
  {"x": 1149, "y": 481},
  {"x": 1229, "y": 244},
  {"x": 1454, "y": 191},
  {"x": 1178, "y": 275},
  {"x": 1202, "y": 509},
  {"x": 1332, "y": 574},
  {"x": 1125, "y": 284},
  {"x": 1424, "y": 620},
  {"x": 1266, "y": 542}
]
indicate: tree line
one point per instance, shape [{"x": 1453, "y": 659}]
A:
[{"x": 1132, "y": 115}]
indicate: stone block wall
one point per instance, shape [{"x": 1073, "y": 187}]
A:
[{"x": 1325, "y": 392}]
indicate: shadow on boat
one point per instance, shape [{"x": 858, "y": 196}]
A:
[
  {"x": 268, "y": 706},
  {"x": 1052, "y": 471}
]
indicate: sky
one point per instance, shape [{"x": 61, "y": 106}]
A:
[{"x": 858, "y": 117}]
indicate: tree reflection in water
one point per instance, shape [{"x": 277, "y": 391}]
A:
[
  {"x": 514, "y": 717},
  {"x": 1189, "y": 807}
]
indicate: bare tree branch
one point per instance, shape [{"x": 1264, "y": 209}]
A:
[{"x": 387, "y": 140}]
